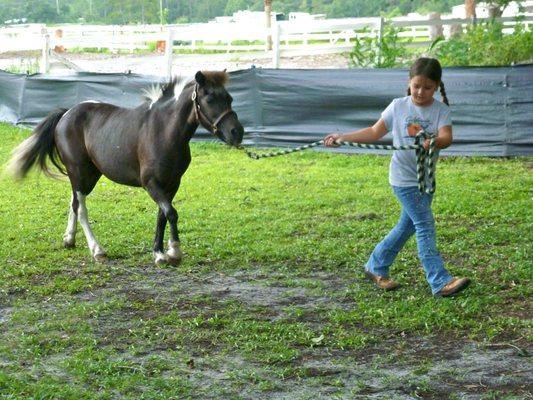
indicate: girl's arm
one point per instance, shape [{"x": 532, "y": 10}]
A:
[
  {"x": 444, "y": 138},
  {"x": 366, "y": 135}
]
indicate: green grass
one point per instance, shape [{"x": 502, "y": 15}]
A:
[{"x": 272, "y": 277}]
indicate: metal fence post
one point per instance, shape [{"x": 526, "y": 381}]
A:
[
  {"x": 168, "y": 52},
  {"x": 275, "y": 43},
  {"x": 45, "y": 55},
  {"x": 380, "y": 38}
]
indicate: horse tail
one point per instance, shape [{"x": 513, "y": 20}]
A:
[{"x": 39, "y": 147}]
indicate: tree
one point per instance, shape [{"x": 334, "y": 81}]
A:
[
  {"x": 496, "y": 7},
  {"x": 470, "y": 9},
  {"x": 268, "y": 16},
  {"x": 147, "y": 11},
  {"x": 235, "y": 5},
  {"x": 40, "y": 11}
]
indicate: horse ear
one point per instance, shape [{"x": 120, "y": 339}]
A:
[{"x": 200, "y": 78}]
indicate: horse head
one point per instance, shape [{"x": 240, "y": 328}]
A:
[{"x": 212, "y": 106}]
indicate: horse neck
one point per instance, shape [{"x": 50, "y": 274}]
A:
[{"x": 182, "y": 123}]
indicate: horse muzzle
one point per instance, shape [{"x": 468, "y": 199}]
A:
[
  {"x": 231, "y": 131},
  {"x": 236, "y": 136}
]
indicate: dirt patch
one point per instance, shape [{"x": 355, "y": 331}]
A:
[{"x": 396, "y": 366}]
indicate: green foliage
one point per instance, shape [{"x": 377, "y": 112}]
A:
[
  {"x": 26, "y": 66},
  {"x": 442, "y": 6},
  {"x": 151, "y": 46},
  {"x": 36, "y": 9},
  {"x": 501, "y": 5},
  {"x": 95, "y": 50},
  {"x": 485, "y": 44},
  {"x": 370, "y": 51},
  {"x": 235, "y": 5},
  {"x": 176, "y": 11}
]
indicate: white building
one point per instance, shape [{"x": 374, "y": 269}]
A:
[
  {"x": 303, "y": 16},
  {"x": 482, "y": 9},
  {"x": 249, "y": 17}
]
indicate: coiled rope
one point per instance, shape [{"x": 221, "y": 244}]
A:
[{"x": 425, "y": 159}]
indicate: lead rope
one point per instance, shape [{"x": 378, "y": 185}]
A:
[
  {"x": 425, "y": 159},
  {"x": 425, "y": 163}
]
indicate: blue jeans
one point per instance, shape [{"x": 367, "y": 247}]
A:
[{"x": 416, "y": 217}]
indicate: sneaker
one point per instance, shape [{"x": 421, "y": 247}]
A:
[
  {"x": 455, "y": 286},
  {"x": 382, "y": 282}
]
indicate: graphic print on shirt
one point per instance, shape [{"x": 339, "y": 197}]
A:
[{"x": 415, "y": 124}]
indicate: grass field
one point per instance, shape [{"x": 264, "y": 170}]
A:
[{"x": 270, "y": 301}]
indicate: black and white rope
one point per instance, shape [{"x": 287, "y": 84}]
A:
[
  {"x": 425, "y": 162},
  {"x": 425, "y": 159}
]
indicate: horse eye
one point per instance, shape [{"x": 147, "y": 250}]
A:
[{"x": 209, "y": 98}]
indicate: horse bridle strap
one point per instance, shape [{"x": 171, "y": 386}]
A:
[{"x": 199, "y": 113}]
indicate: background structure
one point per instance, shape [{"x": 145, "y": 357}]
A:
[{"x": 492, "y": 107}]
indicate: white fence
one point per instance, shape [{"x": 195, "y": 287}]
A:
[{"x": 289, "y": 37}]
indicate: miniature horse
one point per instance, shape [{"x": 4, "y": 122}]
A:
[{"x": 146, "y": 146}]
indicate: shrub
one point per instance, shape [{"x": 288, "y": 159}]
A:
[
  {"x": 366, "y": 51},
  {"x": 485, "y": 44}
]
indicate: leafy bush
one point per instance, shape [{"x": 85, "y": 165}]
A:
[
  {"x": 481, "y": 44},
  {"x": 485, "y": 44},
  {"x": 152, "y": 46},
  {"x": 366, "y": 51}
]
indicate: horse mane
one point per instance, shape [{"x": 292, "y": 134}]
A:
[
  {"x": 165, "y": 91},
  {"x": 173, "y": 88},
  {"x": 216, "y": 78}
]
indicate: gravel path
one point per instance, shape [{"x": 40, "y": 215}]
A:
[{"x": 155, "y": 64}]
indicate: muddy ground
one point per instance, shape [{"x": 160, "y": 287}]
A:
[{"x": 397, "y": 366}]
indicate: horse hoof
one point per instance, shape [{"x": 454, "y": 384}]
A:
[
  {"x": 174, "y": 261},
  {"x": 160, "y": 259},
  {"x": 174, "y": 253},
  {"x": 174, "y": 256},
  {"x": 69, "y": 244},
  {"x": 100, "y": 257}
]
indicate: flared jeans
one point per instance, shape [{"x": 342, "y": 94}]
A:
[{"x": 416, "y": 218}]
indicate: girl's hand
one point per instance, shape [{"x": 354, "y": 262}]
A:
[{"x": 330, "y": 139}]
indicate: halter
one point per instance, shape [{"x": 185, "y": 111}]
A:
[{"x": 199, "y": 113}]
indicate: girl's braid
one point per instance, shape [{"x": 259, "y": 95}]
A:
[{"x": 443, "y": 94}]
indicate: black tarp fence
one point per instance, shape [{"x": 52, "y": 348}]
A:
[{"x": 492, "y": 107}]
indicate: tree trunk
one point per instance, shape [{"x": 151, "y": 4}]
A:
[
  {"x": 470, "y": 9},
  {"x": 495, "y": 11},
  {"x": 268, "y": 16},
  {"x": 435, "y": 31}
]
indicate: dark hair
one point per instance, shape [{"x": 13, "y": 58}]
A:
[{"x": 431, "y": 69}]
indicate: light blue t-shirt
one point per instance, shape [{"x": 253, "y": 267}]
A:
[{"x": 404, "y": 120}]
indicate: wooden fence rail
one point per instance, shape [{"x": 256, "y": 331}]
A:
[{"x": 289, "y": 37}]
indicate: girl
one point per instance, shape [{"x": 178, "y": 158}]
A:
[{"x": 405, "y": 117}]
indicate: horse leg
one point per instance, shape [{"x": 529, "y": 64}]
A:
[
  {"x": 166, "y": 210},
  {"x": 159, "y": 255},
  {"x": 97, "y": 251},
  {"x": 69, "y": 238},
  {"x": 83, "y": 178}
]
